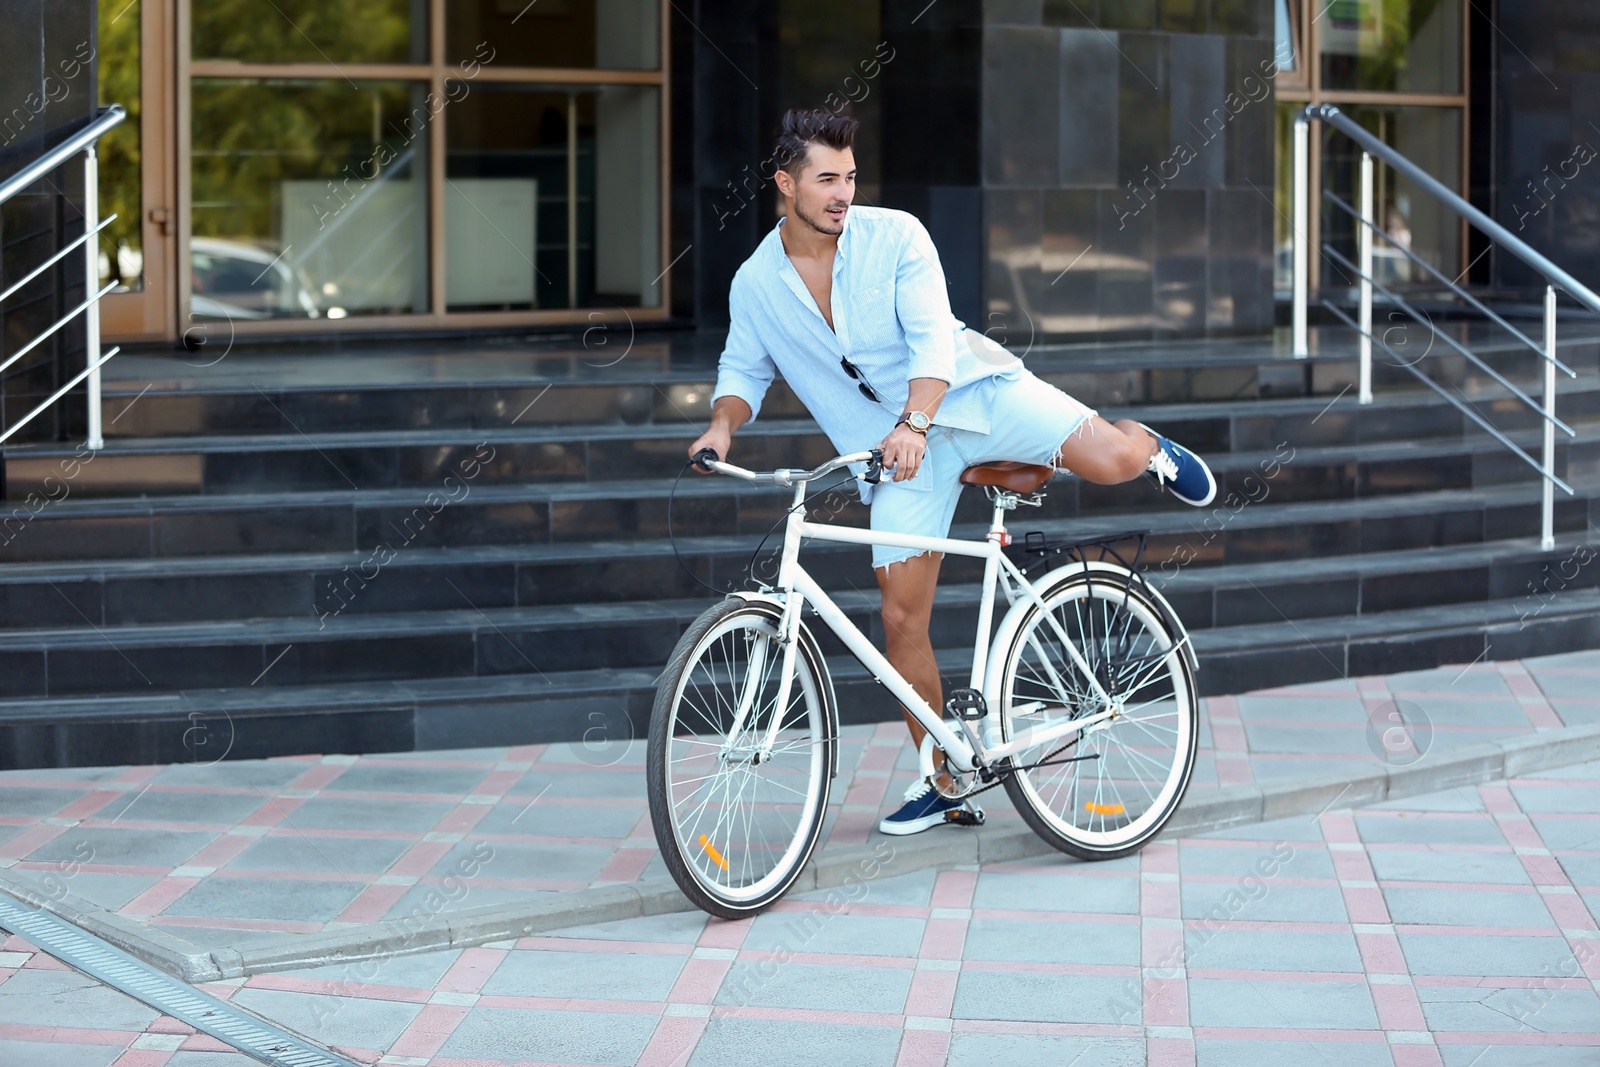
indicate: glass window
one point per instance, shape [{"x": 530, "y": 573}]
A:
[
  {"x": 309, "y": 199},
  {"x": 1431, "y": 138},
  {"x": 1392, "y": 45},
  {"x": 310, "y": 31},
  {"x": 1285, "y": 35},
  {"x": 121, "y": 190},
  {"x": 557, "y": 33},
  {"x": 519, "y": 233}
]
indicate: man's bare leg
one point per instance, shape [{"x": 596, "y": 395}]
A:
[
  {"x": 1108, "y": 453},
  {"x": 908, "y": 589}
]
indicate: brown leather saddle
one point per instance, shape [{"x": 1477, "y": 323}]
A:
[{"x": 1023, "y": 478}]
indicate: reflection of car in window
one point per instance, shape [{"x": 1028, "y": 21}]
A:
[{"x": 240, "y": 281}]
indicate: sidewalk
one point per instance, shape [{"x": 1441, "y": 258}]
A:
[
  {"x": 1450, "y": 930},
  {"x": 257, "y": 857}
]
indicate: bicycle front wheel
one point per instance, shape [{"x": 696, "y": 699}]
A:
[
  {"x": 736, "y": 818},
  {"x": 1104, "y": 791}
]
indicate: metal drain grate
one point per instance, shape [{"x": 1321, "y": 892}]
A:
[{"x": 223, "y": 1021}]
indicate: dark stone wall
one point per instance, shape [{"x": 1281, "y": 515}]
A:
[
  {"x": 1127, "y": 167},
  {"x": 47, "y": 89},
  {"x": 1546, "y": 144}
]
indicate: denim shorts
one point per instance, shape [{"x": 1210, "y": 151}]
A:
[{"x": 1030, "y": 421}]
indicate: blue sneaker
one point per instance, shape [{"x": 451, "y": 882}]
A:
[
  {"x": 1185, "y": 474},
  {"x": 924, "y": 809}
]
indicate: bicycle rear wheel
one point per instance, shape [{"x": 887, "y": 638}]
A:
[
  {"x": 1106, "y": 790},
  {"x": 736, "y": 825}
]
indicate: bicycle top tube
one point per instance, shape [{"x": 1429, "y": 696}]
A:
[{"x": 787, "y": 477}]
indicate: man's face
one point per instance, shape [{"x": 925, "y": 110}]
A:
[{"x": 824, "y": 188}]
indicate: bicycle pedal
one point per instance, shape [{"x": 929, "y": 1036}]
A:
[
  {"x": 965, "y": 816},
  {"x": 967, "y": 704}
]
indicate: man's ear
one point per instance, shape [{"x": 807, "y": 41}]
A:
[{"x": 785, "y": 182}]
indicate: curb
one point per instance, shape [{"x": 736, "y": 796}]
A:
[{"x": 829, "y": 868}]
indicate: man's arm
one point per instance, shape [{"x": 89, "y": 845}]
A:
[
  {"x": 904, "y": 447},
  {"x": 728, "y": 413}
]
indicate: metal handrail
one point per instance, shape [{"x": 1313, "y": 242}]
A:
[
  {"x": 61, "y": 153},
  {"x": 1552, "y": 274},
  {"x": 82, "y": 141},
  {"x": 1554, "y": 277}
]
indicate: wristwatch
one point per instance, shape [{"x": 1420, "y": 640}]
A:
[{"x": 918, "y": 421}]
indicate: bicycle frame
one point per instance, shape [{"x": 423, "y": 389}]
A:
[{"x": 795, "y": 587}]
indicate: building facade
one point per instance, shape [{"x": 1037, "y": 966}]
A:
[{"x": 1090, "y": 169}]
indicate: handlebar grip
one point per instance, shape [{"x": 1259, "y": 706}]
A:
[
  {"x": 874, "y": 473},
  {"x": 704, "y": 457}
]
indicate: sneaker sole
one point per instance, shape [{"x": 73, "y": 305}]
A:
[{"x": 910, "y": 826}]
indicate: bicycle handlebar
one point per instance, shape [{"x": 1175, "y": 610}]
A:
[{"x": 707, "y": 460}]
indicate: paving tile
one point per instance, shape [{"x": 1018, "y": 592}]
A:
[
  {"x": 1349, "y": 740},
  {"x": 1409, "y": 865},
  {"x": 1031, "y": 996},
  {"x": 1281, "y": 903},
  {"x": 1454, "y": 907},
  {"x": 267, "y": 775},
  {"x": 1287, "y": 1005},
  {"x": 1413, "y": 828},
  {"x": 989, "y": 1050},
  {"x": 515, "y": 1035},
  {"x": 1540, "y": 798},
  {"x": 144, "y": 848},
  {"x": 545, "y": 863},
  {"x": 1295, "y": 829},
  {"x": 39, "y": 1054},
  {"x": 316, "y": 852},
  {"x": 418, "y": 971},
  {"x": 264, "y": 898},
  {"x": 558, "y": 820},
  {"x": 1517, "y": 1056},
  {"x": 607, "y": 782},
  {"x": 1447, "y": 710},
  {"x": 1238, "y": 862},
  {"x": 25, "y": 801},
  {"x": 732, "y": 1041},
  {"x": 911, "y": 890},
  {"x": 1566, "y": 833},
  {"x": 106, "y": 890},
  {"x": 66, "y": 998},
  {"x": 1471, "y": 955},
  {"x": 585, "y": 975},
  {"x": 384, "y": 777},
  {"x": 1451, "y": 800},
  {"x": 355, "y": 1022},
  {"x": 1319, "y": 709},
  {"x": 817, "y": 987},
  {"x": 680, "y": 928},
  {"x": 1028, "y": 941},
  {"x": 227, "y": 809},
  {"x": 351, "y": 813},
  {"x": 1058, "y": 892},
  {"x": 1448, "y": 680},
  {"x": 1272, "y": 950},
  {"x": 1571, "y": 1011},
  {"x": 1211, "y": 1053},
  {"x": 865, "y": 935}
]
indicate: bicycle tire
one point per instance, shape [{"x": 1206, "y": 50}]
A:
[
  {"x": 719, "y": 873},
  {"x": 1124, "y": 637}
]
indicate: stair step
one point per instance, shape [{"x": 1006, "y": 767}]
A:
[{"x": 612, "y": 706}]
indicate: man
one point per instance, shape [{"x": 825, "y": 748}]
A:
[{"x": 850, "y": 304}]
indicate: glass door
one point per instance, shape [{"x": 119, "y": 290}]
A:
[{"x": 137, "y": 250}]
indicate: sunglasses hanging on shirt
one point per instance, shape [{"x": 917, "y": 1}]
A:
[{"x": 855, "y": 373}]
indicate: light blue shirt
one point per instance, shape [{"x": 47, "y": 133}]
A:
[{"x": 891, "y": 317}]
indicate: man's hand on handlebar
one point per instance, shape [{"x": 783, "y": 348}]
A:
[
  {"x": 717, "y": 440},
  {"x": 903, "y": 450}
]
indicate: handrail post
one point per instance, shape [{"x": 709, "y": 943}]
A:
[
  {"x": 1364, "y": 238},
  {"x": 1300, "y": 225},
  {"x": 1547, "y": 534},
  {"x": 91, "y": 282}
]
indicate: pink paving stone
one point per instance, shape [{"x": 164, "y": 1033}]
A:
[
  {"x": 1416, "y": 1056},
  {"x": 923, "y": 1048},
  {"x": 1159, "y": 857},
  {"x": 318, "y": 775},
  {"x": 429, "y": 1031},
  {"x": 943, "y": 939},
  {"x": 1339, "y": 827},
  {"x": 699, "y": 981},
  {"x": 723, "y": 933},
  {"x": 878, "y": 758},
  {"x": 1398, "y": 1007},
  {"x": 497, "y": 783},
  {"x": 524, "y": 754},
  {"x": 1380, "y": 953},
  {"x": 63, "y": 1035},
  {"x": 168, "y": 1025},
  {"x": 932, "y": 995},
  {"x": 1234, "y": 769},
  {"x": 1161, "y": 946},
  {"x": 420, "y": 858},
  {"x": 222, "y": 851},
  {"x": 39, "y": 961},
  {"x": 159, "y": 897},
  {"x": 88, "y": 805},
  {"x": 29, "y": 840},
  {"x": 1169, "y": 1052},
  {"x": 372, "y": 904},
  {"x": 626, "y": 865},
  {"x": 673, "y": 1042},
  {"x": 142, "y": 1057},
  {"x": 1498, "y": 800},
  {"x": 471, "y": 969},
  {"x": 1166, "y": 1002},
  {"x": 1352, "y": 866},
  {"x": 273, "y": 811},
  {"x": 1569, "y": 911},
  {"x": 1520, "y": 832},
  {"x": 954, "y": 889},
  {"x": 206, "y": 1043},
  {"x": 1544, "y": 870},
  {"x": 1365, "y": 905},
  {"x": 462, "y": 818}
]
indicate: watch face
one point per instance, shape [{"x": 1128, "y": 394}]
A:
[{"x": 919, "y": 420}]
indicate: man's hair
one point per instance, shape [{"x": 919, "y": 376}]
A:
[{"x": 803, "y": 127}]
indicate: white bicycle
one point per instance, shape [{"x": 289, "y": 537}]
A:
[{"x": 1082, "y": 704}]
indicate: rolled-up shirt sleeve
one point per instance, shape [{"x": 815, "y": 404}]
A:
[
  {"x": 923, "y": 306},
  {"x": 746, "y": 368}
]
